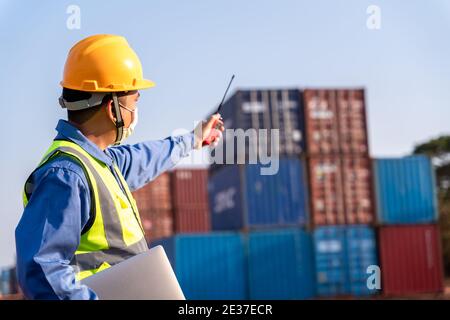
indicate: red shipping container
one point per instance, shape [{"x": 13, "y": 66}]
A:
[
  {"x": 352, "y": 122},
  {"x": 411, "y": 259},
  {"x": 325, "y": 185},
  {"x": 358, "y": 190},
  {"x": 157, "y": 224},
  {"x": 335, "y": 122},
  {"x": 190, "y": 200},
  {"x": 154, "y": 202},
  {"x": 321, "y": 121},
  {"x": 192, "y": 219},
  {"x": 341, "y": 190},
  {"x": 189, "y": 187},
  {"x": 155, "y": 195}
]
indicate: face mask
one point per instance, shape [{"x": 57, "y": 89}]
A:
[
  {"x": 126, "y": 132},
  {"x": 129, "y": 131}
]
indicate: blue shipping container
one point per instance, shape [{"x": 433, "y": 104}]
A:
[
  {"x": 343, "y": 254},
  {"x": 5, "y": 282},
  {"x": 280, "y": 109},
  {"x": 208, "y": 266},
  {"x": 240, "y": 197},
  {"x": 361, "y": 254},
  {"x": 405, "y": 190},
  {"x": 281, "y": 265}
]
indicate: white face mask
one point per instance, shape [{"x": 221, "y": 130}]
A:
[{"x": 129, "y": 131}]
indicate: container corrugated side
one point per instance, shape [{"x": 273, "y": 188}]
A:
[
  {"x": 405, "y": 190},
  {"x": 189, "y": 187},
  {"x": 209, "y": 266},
  {"x": 157, "y": 223},
  {"x": 225, "y": 199},
  {"x": 331, "y": 261},
  {"x": 326, "y": 192},
  {"x": 155, "y": 195},
  {"x": 358, "y": 190},
  {"x": 279, "y": 199},
  {"x": 362, "y": 253},
  {"x": 281, "y": 265},
  {"x": 280, "y": 109},
  {"x": 335, "y": 122},
  {"x": 241, "y": 197},
  {"x": 192, "y": 218},
  {"x": 343, "y": 255},
  {"x": 411, "y": 259}
]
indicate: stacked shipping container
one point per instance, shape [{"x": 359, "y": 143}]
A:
[
  {"x": 8, "y": 282},
  {"x": 208, "y": 266},
  {"x": 280, "y": 109},
  {"x": 154, "y": 202},
  {"x": 323, "y": 137},
  {"x": 324, "y": 158},
  {"x": 341, "y": 188},
  {"x": 340, "y": 175},
  {"x": 174, "y": 202},
  {"x": 280, "y": 265},
  {"x": 343, "y": 256},
  {"x": 410, "y": 250},
  {"x": 242, "y": 198},
  {"x": 190, "y": 200}
]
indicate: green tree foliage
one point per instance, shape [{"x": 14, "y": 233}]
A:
[{"x": 439, "y": 150}]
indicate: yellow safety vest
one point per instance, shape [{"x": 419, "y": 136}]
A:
[{"x": 114, "y": 232}]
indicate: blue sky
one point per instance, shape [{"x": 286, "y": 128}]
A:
[{"x": 191, "y": 48}]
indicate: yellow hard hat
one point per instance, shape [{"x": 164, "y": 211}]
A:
[{"x": 103, "y": 63}]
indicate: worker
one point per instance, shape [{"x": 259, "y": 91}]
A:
[{"x": 80, "y": 216}]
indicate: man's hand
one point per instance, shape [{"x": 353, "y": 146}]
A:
[{"x": 205, "y": 128}]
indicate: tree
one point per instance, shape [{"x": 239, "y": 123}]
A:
[{"x": 439, "y": 150}]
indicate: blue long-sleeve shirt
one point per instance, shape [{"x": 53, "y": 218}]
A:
[{"x": 49, "y": 231}]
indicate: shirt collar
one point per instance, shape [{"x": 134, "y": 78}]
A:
[{"x": 69, "y": 131}]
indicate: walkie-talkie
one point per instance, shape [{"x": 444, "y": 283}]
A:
[{"x": 215, "y": 129}]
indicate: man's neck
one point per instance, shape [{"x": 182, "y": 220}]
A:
[{"x": 101, "y": 140}]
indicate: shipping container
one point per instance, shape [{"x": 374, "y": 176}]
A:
[
  {"x": 241, "y": 197},
  {"x": 411, "y": 259},
  {"x": 405, "y": 190},
  {"x": 155, "y": 195},
  {"x": 335, "y": 122},
  {"x": 157, "y": 223},
  {"x": 192, "y": 218},
  {"x": 330, "y": 256},
  {"x": 343, "y": 255},
  {"x": 208, "y": 266},
  {"x": 325, "y": 187},
  {"x": 280, "y": 109},
  {"x": 281, "y": 265},
  {"x": 4, "y": 282},
  {"x": 358, "y": 190},
  {"x": 189, "y": 187},
  {"x": 341, "y": 190},
  {"x": 362, "y": 259},
  {"x": 190, "y": 200}
]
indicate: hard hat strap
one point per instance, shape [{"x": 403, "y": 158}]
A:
[{"x": 119, "y": 120}]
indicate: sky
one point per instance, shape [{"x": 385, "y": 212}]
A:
[{"x": 191, "y": 48}]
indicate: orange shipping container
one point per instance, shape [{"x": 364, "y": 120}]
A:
[
  {"x": 341, "y": 190},
  {"x": 335, "y": 122}
]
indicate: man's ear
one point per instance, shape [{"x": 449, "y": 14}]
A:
[{"x": 110, "y": 111}]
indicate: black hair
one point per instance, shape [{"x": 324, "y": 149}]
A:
[{"x": 81, "y": 116}]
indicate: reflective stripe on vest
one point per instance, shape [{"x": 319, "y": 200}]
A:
[{"x": 116, "y": 232}]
